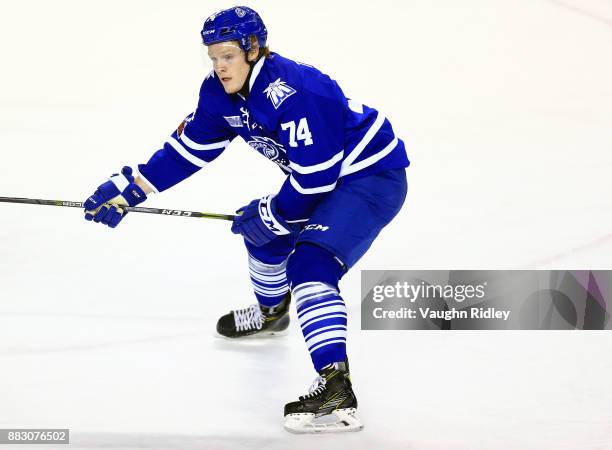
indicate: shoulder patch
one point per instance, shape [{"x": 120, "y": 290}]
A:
[
  {"x": 181, "y": 127},
  {"x": 278, "y": 91}
]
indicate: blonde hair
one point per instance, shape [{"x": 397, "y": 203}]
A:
[{"x": 265, "y": 50}]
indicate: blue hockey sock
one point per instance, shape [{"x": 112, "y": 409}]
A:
[
  {"x": 269, "y": 281},
  {"x": 322, "y": 316}
]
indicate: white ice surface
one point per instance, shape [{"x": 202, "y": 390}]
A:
[{"x": 506, "y": 110}]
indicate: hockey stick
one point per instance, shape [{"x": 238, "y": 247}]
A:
[{"x": 138, "y": 209}]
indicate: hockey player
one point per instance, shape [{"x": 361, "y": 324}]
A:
[{"x": 345, "y": 180}]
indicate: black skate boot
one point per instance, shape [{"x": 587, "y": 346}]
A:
[
  {"x": 330, "y": 406},
  {"x": 256, "y": 320}
]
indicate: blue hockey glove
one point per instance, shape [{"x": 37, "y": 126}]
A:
[
  {"x": 105, "y": 204},
  {"x": 259, "y": 222}
]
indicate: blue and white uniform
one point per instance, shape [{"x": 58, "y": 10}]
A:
[
  {"x": 295, "y": 116},
  {"x": 345, "y": 180}
]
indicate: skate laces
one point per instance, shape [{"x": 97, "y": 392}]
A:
[
  {"x": 318, "y": 386},
  {"x": 249, "y": 318}
]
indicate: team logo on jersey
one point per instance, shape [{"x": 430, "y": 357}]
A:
[
  {"x": 278, "y": 91},
  {"x": 234, "y": 121},
  {"x": 271, "y": 150},
  {"x": 266, "y": 146},
  {"x": 240, "y": 12}
]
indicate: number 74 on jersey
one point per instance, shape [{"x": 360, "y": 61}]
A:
[{"x": 298, "y": 133}]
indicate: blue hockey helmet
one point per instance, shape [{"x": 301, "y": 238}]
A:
[{"x": 235, "y": 24}]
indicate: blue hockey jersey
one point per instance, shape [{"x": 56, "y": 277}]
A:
[{"x": 295, "y": 116}]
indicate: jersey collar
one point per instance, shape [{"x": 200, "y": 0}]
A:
[{"x": 256, "y": 71}]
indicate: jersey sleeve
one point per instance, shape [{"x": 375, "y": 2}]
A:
[
  {"x": 312, "y": 131},
  {"x": 198, "y": 140}
]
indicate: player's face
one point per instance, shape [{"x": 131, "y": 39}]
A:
[{"x": 229, "y": 64}]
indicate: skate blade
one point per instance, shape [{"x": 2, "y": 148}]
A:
[
  {"x": 340, "y": 420},
  {"x": 263, "y": 334}
]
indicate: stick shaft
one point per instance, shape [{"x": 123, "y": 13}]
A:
[{"x": 138, "y": 209}]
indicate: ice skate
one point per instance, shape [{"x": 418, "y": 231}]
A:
[
  {"x": 256, "y": 321},
  {"x": 329, "y": 407}
]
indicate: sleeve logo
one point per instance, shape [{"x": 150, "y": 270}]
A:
[{"x": 278, "y": 91}]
